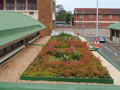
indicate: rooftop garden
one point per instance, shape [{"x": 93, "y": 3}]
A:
[{"x": 66, "y": 56}]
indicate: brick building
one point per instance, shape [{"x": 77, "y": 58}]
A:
[
  {"x": 42, "y": 10},
  {"x": 86, "y": 17}
]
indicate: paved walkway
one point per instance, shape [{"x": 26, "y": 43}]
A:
[
  {"x": 115, "y": 74},
  {"x": 11, "y": 71}
]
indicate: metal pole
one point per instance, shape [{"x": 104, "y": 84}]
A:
[
  {"x": 76, "y": 25},
  {"x": 97, "y": 20},
  {"x": 83, "y": 19}
]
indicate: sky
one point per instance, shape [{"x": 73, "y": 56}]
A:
[{"x": 69, "y": 5}]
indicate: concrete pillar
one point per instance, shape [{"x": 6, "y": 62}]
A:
[
  {"x": 4, "y": 4},
  {"x": 26, "y": 4},
  {"x": 15, "y": 3},
  {"x": 119, "y": 37},
  {"x": 111, "y": 31}
]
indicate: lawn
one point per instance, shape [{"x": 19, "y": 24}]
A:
[{"x": 66, "y": 56}]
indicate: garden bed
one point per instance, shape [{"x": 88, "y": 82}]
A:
[{"x": 66, "y": 58}]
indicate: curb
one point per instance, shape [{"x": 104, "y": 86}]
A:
[{"x": 79, "y": 80}]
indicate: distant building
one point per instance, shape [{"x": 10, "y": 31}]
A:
[
  {"x": 42, "y": 10},
  {"x": 87, "y": 16},
  {"x": 70, "y": 12},
  {"x": 115, "y": 33}
]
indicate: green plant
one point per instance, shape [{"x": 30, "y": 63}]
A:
[
  {"x": 59, "y": 54},
  {"x": 76, "y": 55},
  {"x": 66, "y": 56}
]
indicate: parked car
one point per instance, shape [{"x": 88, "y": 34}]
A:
[{"x": 101, "y": 39}]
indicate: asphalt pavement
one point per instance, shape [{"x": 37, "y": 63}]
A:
[{"x": 108, "y": 50}]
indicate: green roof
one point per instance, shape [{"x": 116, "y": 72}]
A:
[
  {"x": 14, "y": 25},
  {"x": 115, "y": 26}
]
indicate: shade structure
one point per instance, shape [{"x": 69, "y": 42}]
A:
[
  {"x": 14, "y": 25},
  {"x": 115, "y": 26}
]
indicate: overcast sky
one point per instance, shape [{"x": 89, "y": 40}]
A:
[{"x": 71, "y": 4}]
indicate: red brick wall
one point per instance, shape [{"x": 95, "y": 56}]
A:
[
  {"x": 104, "y": 18},
  {"x": 101, "y": 24},
  {"x": 45, "y": 15}
]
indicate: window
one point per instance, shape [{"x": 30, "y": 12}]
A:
[
  {"x": 81, "y": 16},
  {"x": 31, "y": 13},
  {"x": 20, "y": 4},
  {"x": 15, "y": 45},
  {"x": 8, "y": 49},
  {"x": 80, "y": 22},
  {"x": 99, "y": 23},
  {"x": 113, "y": 33},
  {"x": 10, "y": 4},
  {"x": 91, "y": 16},
  {"x": 92, "y": 23},
  {"x": 2, "y": 52},
  {"x": 38, "y": 33},
  {"x": 1, "y": 4},
  {"x": 31, "y": 4},
  {"x": 117, "y": 34},
  {"x": 100, "y": 16},
  {"x": 110, "y": 16}
]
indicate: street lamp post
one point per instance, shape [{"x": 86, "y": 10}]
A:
[
  {"x": 76, "y": 24},
  {"x": 97, "y": 20},
  {"x": 83, "y": 21}
]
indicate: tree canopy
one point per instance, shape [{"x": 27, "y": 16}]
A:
[{"x": 62, "y": 14}]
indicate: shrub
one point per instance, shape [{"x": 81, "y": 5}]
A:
[
  {"x": 76, "y": 56},
  {"x": 66, "y": 56}
]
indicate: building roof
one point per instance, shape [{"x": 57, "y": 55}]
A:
[
  {"x": 115, "y": 26},
  {"x": 93, "y": 11},
  {"x": 10, "y": 20},
  {"x": 39, "y": 86},
  {"x": 14, "y": 25}
]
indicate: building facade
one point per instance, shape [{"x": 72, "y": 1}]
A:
[
  {"x": 86, "y": 17},
  {"x": 42, "y": 10},
  {"x": 115, "y": 33}
]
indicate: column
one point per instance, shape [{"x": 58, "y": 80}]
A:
[
  {"x": 26, "y": 4},
  {"x": 111, "y": 31},
  {"x": 119, "y": 38},
  {"x": 4, "y": 4},
  {"x": 15, "y": 3}
]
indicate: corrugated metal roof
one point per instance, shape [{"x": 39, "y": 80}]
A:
[
  {"x": 11, "y": 20},
  {"x": 101, "y": 11},
  {"x": 15, "y": 25},
  {"x": 115, "y": 26},
  {"x": 38, "y": 86}
]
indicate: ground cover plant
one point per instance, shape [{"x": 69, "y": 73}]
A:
[{"x": 66, "y": 56}]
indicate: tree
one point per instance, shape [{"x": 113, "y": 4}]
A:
[
  {"x": 60, "y": 13},
  {"x": 63, "y": 15},
  {"x": 59, "y": 8},
  {"x": 69, "y": 18}
]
